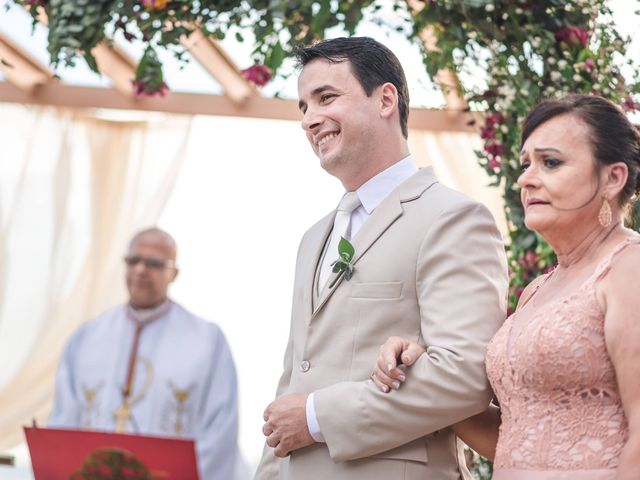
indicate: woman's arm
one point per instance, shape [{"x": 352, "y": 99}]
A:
[
  {"x": 387, "y": 372},
  {"x": 480, "y": 432},
  {"x": 619, "y": 298}
]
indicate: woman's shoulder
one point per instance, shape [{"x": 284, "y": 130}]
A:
[
  {"x": 623, "y": 262},
  {"x": 531, "y": 288}
]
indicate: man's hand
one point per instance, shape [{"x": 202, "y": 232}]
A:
[{"x": 286, "y": 424}]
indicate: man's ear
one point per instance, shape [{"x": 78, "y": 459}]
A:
[
  {"x": 175, "y": 274},
  {"x": 388, "y": 99},
  {"x": 614, "y": 179}
]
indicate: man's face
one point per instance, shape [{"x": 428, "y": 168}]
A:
[
  {"x": 338, "y": 116},
  {"x": 150, "y": 270}
]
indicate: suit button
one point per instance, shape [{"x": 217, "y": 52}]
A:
[{"x": 305, "y": 365}]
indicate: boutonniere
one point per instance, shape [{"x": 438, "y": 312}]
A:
[{"x": 343, "y": 264}]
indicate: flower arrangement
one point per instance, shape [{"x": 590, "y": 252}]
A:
[
  {"x": 111, "y": 464},
  {"x": 531, "y": 51}
]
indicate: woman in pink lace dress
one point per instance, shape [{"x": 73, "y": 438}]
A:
[{"x": 565, "y": 366}]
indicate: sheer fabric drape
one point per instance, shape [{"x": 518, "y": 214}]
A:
[
  {"x": 452, "y": 155},
  {"x": 72, "y": 190}
]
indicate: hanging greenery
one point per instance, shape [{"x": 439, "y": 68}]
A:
[{"x": 530, "y": 50}]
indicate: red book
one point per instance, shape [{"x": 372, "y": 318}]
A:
[{"x": 59, "y": 454}]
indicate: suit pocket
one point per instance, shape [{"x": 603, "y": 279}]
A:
[
  {"x": 376, "y": 290},
  {"x": 415, "y": 451}
]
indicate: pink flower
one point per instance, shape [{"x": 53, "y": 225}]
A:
[
  {"x": 529, "y": 260},
  {"x": 128, "y": 472},
  {"x": 140, "y": 89},
  {"x": 104, "y": 470},
  {"x": 487, "y": 133},
  {"x": 494, "y": 149},
  {"x": 494, "y": 164},
  {"x": 494, "y": 118},
  {"x": 589, "y": 65},
  {"x": 629, "y": 105},
  {"x": 573, "y": 36},
  {"x": 259, "y": 75}
]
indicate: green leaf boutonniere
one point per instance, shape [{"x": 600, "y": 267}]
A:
[{"x": 343, "y": 264}]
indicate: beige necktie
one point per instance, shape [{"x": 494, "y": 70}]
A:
[{"x": 340, "y": 229}]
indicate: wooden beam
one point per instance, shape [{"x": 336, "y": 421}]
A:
[
  {"x": 208, "y": 52},
  {"x": 19, "y": 68},
  {"x": 117, "y": 65},
  {"x": 199, "y": 104},
  {"x": 446, "y": 79}
]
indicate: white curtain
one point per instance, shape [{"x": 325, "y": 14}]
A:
[
  {"x": 72, "y": 190},
  {"x": 452, "y": 155}
]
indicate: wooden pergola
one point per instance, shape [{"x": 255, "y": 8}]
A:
[{"x": 27, "y": 81}]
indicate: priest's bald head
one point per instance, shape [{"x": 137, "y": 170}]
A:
[{"x": 151, "y": 267}]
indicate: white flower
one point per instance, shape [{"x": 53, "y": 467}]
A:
[
  {"x": 518, "y": 11},
  {"x": 508, "y": 92},
  {"x": 600, "y": 62},
  {"x": 555, "y": 76},
  {"x": 562, "y": 64},
  {"x": 568, "y": 7},
  {"x": 577, "y": 78},
  {"x": 489, "y": 7},
  {"x": 505, "y": 16},
  {"x": 504, "y": 129},
  {"x": 535, "y": 42},
  {"x": 472, "y": 35},
  {"x": 606, "y": 90},
  {"x": 551, "y": 60},
  {"x": 503, "y": 104},
  {"x": 524, "y": 92}
]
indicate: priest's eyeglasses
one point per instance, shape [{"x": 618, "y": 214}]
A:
[{"x": 149, "y": 262}]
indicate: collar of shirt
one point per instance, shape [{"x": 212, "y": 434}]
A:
[{"x": 374, "y": 191}]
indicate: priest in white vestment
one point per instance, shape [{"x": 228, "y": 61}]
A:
[{"x": 152, "y": 367}]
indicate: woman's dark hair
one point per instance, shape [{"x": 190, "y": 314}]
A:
[
  {"x": 613, "y": 137},
  {"x": 372, "y": 64}
]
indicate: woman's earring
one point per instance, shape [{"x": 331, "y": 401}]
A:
[{"x": 604, "y": 216}]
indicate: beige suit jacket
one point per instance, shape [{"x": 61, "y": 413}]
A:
[{"x": 430, "y": 266}]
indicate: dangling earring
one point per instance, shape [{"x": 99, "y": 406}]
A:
[{"x": 604, "y": 216}]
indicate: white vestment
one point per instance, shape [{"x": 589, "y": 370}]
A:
[{"x": 184, "y": 375}]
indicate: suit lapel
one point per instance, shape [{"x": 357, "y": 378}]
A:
[
  {"x": 389, "y": 210},
  {"x": 314, "y": 256}
]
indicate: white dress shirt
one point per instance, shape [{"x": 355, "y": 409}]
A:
[{"x": 371, "y": 194}]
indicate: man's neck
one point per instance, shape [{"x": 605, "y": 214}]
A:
[
  {"x": 355, "y": 181},
  {"x": 148, "y": 314}
]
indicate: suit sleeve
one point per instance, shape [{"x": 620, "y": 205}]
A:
[
  {"x": 461, "y": 287},
  {"x": 269, "y": 466},
  {"x": 217, "y": 434}
]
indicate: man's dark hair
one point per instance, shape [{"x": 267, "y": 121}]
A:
[{"x": 372, "y": 64}]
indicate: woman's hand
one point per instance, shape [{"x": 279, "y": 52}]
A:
[{"x": 387, "y": 374}]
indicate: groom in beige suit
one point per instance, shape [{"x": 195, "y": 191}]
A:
[{"x": 429, "y": 264}]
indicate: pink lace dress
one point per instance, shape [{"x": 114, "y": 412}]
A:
[{"x": 562, "y": 416}]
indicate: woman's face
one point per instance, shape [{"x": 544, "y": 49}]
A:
[{"x": 559, "y": 181}]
